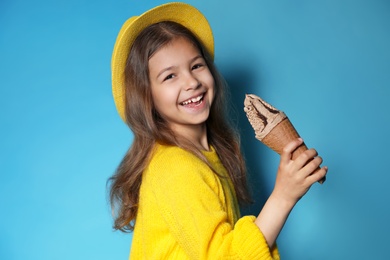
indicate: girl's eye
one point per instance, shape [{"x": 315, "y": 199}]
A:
[
  {"x": 197, "y": 66},
  {"x": 170, "y": 76}
]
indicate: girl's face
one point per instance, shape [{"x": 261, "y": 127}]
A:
[{"x": 181, "y": 84}]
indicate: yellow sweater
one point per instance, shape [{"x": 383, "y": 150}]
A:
[{"x": 187, "y": 212}]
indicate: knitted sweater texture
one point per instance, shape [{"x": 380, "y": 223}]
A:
[{"x": 187, "y": 212}]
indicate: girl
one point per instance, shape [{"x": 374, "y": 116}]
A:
[{"x": 179, "y": 185}]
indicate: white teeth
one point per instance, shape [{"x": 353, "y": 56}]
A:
[{"x": 193, "y": 100}]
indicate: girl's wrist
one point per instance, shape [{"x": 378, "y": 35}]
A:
[{"x": 281, "y": 202}]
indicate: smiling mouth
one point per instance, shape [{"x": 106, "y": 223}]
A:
[{"x": 195, "y": 101}]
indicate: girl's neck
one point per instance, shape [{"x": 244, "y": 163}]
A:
[{"x": 196, "y": 134}]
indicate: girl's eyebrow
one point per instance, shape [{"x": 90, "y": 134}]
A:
[
  {"x": 197, "y": 57},
  {"x": 165, "y": 69},
  {"x": 171, "y": 67}
]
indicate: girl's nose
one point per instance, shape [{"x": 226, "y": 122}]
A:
[{"x": 191, "y": 82}]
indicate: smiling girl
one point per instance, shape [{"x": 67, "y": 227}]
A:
[
  {"x": 179, "y": 185},
  {"x": 182, "y": 89}
]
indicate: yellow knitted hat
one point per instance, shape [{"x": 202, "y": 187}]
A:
[{"x": 181, "y": 13}]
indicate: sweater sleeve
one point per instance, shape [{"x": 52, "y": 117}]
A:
[{"x": 188, "y": 197}]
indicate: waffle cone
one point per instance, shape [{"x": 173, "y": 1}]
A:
[{"x": 281, "y": 135}]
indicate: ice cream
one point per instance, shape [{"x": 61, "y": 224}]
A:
[{"x": 272, "y": 127}]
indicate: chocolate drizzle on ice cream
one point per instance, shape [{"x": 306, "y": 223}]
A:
[{"x": 262, "y": 116}]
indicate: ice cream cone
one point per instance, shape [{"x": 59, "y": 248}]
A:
[{"x": 272, "y": 127}]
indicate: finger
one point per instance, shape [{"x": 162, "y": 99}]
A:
[
  {"x": 288, "y": 149},
  {"x": 313, "y": 165},
  {"x": 317, "y": 176},
  {"x": 304, "y": 158}
]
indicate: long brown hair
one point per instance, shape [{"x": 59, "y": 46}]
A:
[{"x": 149, "y": 127}]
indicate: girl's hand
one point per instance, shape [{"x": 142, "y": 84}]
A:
[
  {"x": 293, "y": 180},
  {"x": 295, "y": 177}
]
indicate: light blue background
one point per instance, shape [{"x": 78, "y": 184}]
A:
[{"x": 325, "y": 63}]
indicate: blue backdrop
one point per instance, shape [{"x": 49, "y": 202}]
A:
[{"x": 325, "y": 63}]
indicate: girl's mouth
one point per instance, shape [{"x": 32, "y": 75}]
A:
[{"x": 193, "y": 101}]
